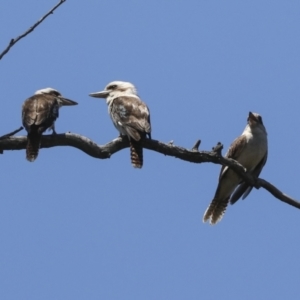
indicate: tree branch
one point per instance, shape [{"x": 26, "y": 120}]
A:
[
  {"x": 11, "y": 133},
  {"x": 8, "y": 142},
  {"x": 14, "y": 41},
  {"x": 277, "y": 193}
]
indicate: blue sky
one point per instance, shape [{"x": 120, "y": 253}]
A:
[{"x": 73, "y": 227}]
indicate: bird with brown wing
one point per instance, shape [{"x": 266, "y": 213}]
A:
[
  {"x": 130, "y": 115},
  {"x": 39, "y": 113},
  {"x": 251, "y": 151}
]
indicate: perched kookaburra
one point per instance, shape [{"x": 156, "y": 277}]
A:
[
  {"x": 251, "y": 151},
  {"x": 39, "y": 113},
  {"x": 130, "y": 115}
]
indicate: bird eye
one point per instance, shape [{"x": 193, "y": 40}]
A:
[
  {"x": 111, "y": 87},
  {"x": 55, "y": 93}
]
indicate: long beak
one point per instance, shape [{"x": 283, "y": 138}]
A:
[
  {"x": 102, "y": 94},
  {"x": 252, "y": 117},
  {"x": 67, "y": 102}
]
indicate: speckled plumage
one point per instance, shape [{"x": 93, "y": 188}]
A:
[{"x": 130, "y": 115}]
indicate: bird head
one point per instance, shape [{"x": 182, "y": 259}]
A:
[
  {"x": 62, "y": 101},
  {"x": 255, "y": 121},
  {"x": 116, "y": 89}
]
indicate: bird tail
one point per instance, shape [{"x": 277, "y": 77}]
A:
[
  {"x": 216, "y": 210},
  {"x": 33, "y": 145},
  {"x": 136, "y": 154}
]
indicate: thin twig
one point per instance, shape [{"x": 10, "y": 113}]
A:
[
  {"x": 14, "y": 41},
  {"x": 11, "y": 133},
  {"x": 106, "y": 151},
  {"x": 196, "y": 146},
  {"x": 277, "y": 193}
]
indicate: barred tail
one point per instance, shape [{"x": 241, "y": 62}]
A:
[
  {"x": 216, "y": 210},
  {"x": 136, "y": 153},
  {"x": 33, "y": 145}
]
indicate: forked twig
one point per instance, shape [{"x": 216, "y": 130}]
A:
[{"x": 14, "y": 41}]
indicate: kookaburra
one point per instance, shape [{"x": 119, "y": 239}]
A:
[
  {"x": 130, "y": 115},
  {"x": 251, "y": 151},
  {"x": 39, "y": 113}
]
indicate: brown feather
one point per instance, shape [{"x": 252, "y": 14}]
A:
[
  {"x": 39, "y": 110},
  {"x": 245, "y": 189},
  {"x": 133, "y": 133},
  {"x": 215, "y": 211},
  {"x": 131, "y": 117},
  {"x": 218, "y": 206},
  {"x": 33, "y": 145},
  {"x": 136, "y": 154},
  {"x": 234, "y": 151},
  {"x": 219, "y": 211},
  {"x": 39, "y": 113},
  {"x": 133, "y": 114}
]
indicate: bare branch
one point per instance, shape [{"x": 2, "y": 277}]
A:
[
  {"x": 196, "y": 146},
  {"x": 14, "y": 41},
  {"x": 276, "y": 193},
  {"x": 11, "y": 133},
  {"x": 89, "y": 147}
]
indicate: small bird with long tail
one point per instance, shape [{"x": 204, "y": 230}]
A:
[{"x": 251, "y": 151}]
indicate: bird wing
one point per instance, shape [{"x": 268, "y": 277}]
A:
[
  {"x": 244, "y": 188},
  {"x": 47, "y": 109},
  {"x": 29, "y": 112},
  {"x": 39, "y": 110},
  {"x": 234, "y": 151},
  {"x": 133, "y": 115},
  {"x": 217, "y": 207}
]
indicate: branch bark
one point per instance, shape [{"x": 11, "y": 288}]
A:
[
  {"x": 8, "y": 142},
  {"x": 14, "y": 41}
]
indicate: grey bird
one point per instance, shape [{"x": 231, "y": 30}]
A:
[
  {"x": 251, "y": 151},
  {"x": 39, "y": 113},
  {"x": 130, "y": 115}
]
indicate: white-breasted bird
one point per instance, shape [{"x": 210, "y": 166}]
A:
[
  {"x": 251, "y": 151},
  {"x": 39, "y": 113},
  {"x": 129, "y": 114}
]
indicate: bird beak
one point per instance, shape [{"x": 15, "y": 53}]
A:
[
  {"x": 102, "y": 94},
  {"x": 252, "y": 117},
  {"x": 67, "y": 102}
]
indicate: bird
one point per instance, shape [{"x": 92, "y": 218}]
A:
[
  {"x": 251, "y": 151},
  {"x": 129, "y": 114},
  {"x": 39, "y": 113}
]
